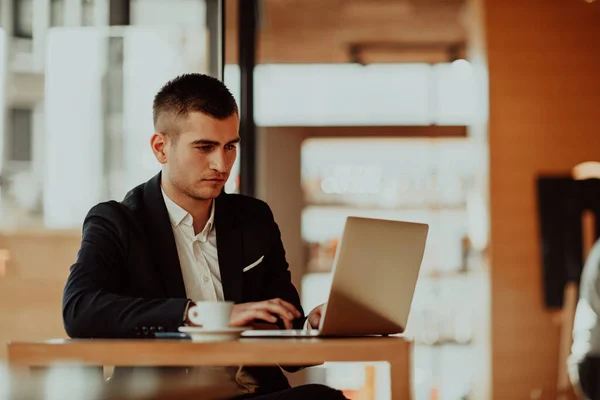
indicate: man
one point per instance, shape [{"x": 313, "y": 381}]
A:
[
  {"x": 584, "y": 361},
  {"x": 178, "y": 238}
]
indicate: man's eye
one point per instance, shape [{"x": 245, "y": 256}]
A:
[
  {"x": 204, "y": 148},
  {"x": 230, "y": 147}
]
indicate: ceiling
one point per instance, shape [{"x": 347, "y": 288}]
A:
[{"x": 366, "y": 31}]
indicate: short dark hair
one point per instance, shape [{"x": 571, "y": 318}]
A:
[{"x": 194, "y": 92}]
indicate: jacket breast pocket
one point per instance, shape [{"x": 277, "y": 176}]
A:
[
  {"x": 254, "y": 264},
  {"x": 254, "y": 278}
]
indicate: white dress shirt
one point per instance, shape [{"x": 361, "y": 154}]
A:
[
  {"x": 202, "y": 279},
  {"x": 197, "y": 254},
  {"x": 586, "y": 327}
]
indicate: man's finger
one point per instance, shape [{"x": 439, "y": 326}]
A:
[
  {"x": 262, "y": 314},
  {"x": 281, "y": 311},
  {"x": 286, "y": 316},
  {"x": 275, "y": 308},
  {"x": 288, "y": 306},
  {"x": 287, "y": 324},
  {"x": 287, "y": 321}
]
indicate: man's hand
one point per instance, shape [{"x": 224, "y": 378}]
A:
[
  {"x": 314, "y": 318},
  {"x": 244, "y": 314}
]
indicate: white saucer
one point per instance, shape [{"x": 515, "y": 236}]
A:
[{"x": 199, "y": 334}]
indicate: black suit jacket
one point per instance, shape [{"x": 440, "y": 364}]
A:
[{"x": 127, "y": 281}]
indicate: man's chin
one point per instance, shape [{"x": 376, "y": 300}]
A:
[{"x": 208, "y": 191}]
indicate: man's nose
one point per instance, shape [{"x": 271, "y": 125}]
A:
[{"x": 219, "y": 162}]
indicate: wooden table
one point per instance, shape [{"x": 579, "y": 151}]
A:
[{"x": 97, "y": 352}]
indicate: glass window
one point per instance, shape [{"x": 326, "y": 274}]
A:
[
  {"x": 232, "y": 79},
  {"x": 57, "y": 12},
  {"x": 455, "y": 93},
  {"x": 341, "y": 95},
  {"x": 87, "y": 13},
  {"x": 21, "y": 133},
  {"x": 349, "y": 94},
  {"x": 120, "y": 70},
  {"x": 166, "y": 13},
  {"x": 23, "y": 18}
]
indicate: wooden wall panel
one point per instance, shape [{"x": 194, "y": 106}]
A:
[
  {"x": 31, "y": 290},
  {"x": 322, "y": 31},
  {"x": 544, "y": 66}
]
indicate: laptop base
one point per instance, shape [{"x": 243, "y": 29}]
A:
[{"x": 297, "y": 333}]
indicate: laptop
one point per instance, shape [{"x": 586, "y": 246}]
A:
[{"x": 375, "y": 273}]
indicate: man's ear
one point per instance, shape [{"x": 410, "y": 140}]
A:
[{"x": 158, "y": 143}]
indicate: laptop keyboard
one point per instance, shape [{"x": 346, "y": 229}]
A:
[{"x": 280, "y": 333}]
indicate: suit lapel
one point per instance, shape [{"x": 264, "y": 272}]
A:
[
  {"x": 162, "y": 241},
  {"x": 229, "y": 249}
]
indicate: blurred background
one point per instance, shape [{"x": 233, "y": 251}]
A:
[{"x": 438, "y": 111}]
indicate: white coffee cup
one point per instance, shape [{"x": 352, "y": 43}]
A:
[{"x": 211, "y": 314}]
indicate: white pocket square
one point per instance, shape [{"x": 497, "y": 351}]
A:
[{"x": 254, "y": 264}]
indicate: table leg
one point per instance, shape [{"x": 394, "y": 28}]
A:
[{"x": 400, "y": 374}]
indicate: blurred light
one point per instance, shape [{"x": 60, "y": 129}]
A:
[
  {"x": 462, "y": 67},
  {"x": 68, "y": 114},
  {"x": 463, "y": 326},
  {"x": 585, "y": 319},
  {"x": 349, "y": 376},
  {"x": 353, "y": 179},
  {"x": 341, "y": 188},
  {"x": 590, "y": 1},
  {"x": 587, "y": 170},
  {"x": 374, "y": 188},
  {"x": 430, "y": 336},
  {"x": 361, "y": 187},
  {"x": 421, "y": 376},
  {"x": 328, "y": 185},
  {"x": 403, "y": 184},
  {"x": 5, "y": 381},
  {"x": 315, "y": 289},
  {"x": 71, "y": 380},
  {"x": 3, "y": 64},
  {"x": 389, "y": 194},
  {"x": 477, "y": 228}
]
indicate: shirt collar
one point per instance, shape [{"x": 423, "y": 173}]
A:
[
  {"x": 178, "y": 215},
  {"x": 211, "y": 220}
]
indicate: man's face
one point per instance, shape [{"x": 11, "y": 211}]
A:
[{"x": 200, "y": 157}]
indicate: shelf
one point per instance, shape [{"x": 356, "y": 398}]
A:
[
  {"x": 351, "y": 207},
  {"x": 434, "y": 275},
  {"x": 443, "y": 342},
  {"x": 420, "y": 132}
]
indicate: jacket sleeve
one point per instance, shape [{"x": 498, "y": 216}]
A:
[
  {"x": 92, "y": 306},
  {"x": 279, "y": 280}
]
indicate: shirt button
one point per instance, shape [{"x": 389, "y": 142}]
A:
[{"x": 205, "y": 279}]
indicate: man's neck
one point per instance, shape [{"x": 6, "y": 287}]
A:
[{"x": 198, "y": 209}]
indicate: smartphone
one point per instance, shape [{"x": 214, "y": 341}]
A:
[{"x": 172, "y": 335}]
